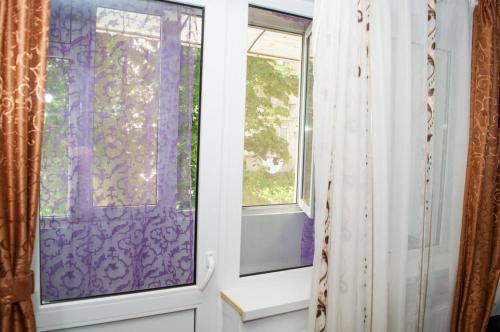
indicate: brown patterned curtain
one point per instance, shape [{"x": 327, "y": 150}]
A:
[
  {"x": 479, "y": 261},
  {"x": 23, "y": 58}
]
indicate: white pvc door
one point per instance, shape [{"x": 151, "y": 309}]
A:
[{"x": 128, "y": 229}]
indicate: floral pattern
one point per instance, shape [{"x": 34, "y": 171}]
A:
[
  {"x": 347, "y": 211},
  {"x": 23, "y": 59},
  {"x": 117, "y": 210},
  {"x": 427, "y": 187},
  {"x": 478, "y": 271}
]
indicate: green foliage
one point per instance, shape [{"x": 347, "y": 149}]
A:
[
  {"x": 269, "y": 87},
  {"x": 270, "y": 84},
  {"x": 54, "y": 187},
  {"x": 187, "y": 184},
  {"x": 262, "y": 188},
  {"x": 57, "y": 70},
  {"x": 196, "y": 120}
]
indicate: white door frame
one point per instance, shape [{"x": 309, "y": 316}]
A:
[{"x": 118, "y": 307}]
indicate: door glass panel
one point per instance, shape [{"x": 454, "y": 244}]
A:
[{"x": 120, "y": 150}]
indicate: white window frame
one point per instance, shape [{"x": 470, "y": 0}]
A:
[
  {"x": 299, "y": 204},
  {"x": 111, "y": 308},
  {"x": 233, "y": 141},
  {"x": 307, "y": 208}
]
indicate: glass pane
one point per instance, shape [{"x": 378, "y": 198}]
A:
[
  {"x": 272, "y": 117},
  {"x": 273, "y": 237},
  {"x": 308, "y": 127},
  {"x": 125, "y": 114},
  {"x": 54, "y": 185},
  {"x": 118, "y": 191}
]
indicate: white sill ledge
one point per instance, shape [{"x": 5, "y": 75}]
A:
[
  {"x": 266, "y": 210},
  {"x": 270, "y": 294}
]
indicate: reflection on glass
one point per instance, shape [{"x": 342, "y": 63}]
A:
[
  {"x": 271, "y": 117},
  {"x": 54, "y": 185},
  {"x": 308, "y": 127}
]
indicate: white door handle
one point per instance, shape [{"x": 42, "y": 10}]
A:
[{"x": 210, "y": 263}]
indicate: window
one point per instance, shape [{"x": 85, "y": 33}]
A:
[
  {"x": 276, "y": 230},
  {"x": 273, "y": 108},
  {"x": 120, "y": 149},
  {"x": 306, "y": 201}
]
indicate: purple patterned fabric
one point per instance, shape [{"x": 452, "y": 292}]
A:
[
  {"x": 307, "y": 243},
  {"x": 117, "y": 212},
  {"x": 301, "y": 22}
]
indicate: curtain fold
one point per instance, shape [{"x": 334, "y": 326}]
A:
[
  {"x": 390, "y": 108},
  {"x": 479, "y": 261},
  {"x": 23, "y": 57},
  {"x": 348, "y": 155}
]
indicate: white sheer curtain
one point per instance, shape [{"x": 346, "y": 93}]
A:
[
  {"x": 351, "y": 143},
  {"x": 423, "y": 253},
  {"x": 391, "y": 266}
]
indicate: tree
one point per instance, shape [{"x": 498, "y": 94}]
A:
[{"x": 270, "y": 84}]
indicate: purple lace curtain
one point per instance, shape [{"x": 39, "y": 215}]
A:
[
  {"x": 117, "y": 196},
  {"x": 307, "y": 242}
]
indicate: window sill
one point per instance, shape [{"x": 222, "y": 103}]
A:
[
  {"x": 270, "y": 210},
  {"x": 270, "y": 294}
]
